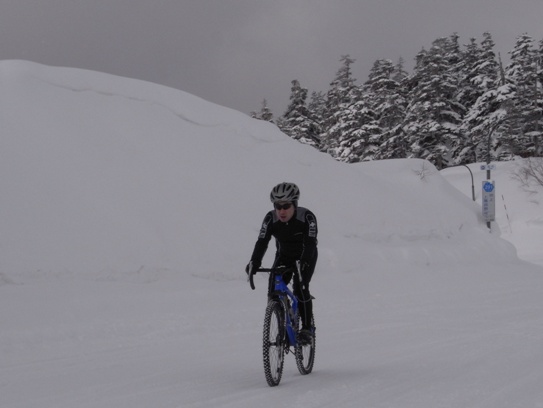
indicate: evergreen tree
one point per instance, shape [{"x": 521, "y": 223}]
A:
[
  {"x": 487, "y": 69},
  {"x": 479, "y": 91},
  {"x": 381, "y": 90},
  {"x": 358, "y": 132},
  {"x": 317, "y": 107},
  {"x": 342, "y": 94},
  {"x": 400, "y": 74},
  {"x": 484, "y": 123},
  {"x": 317, "y": 112},
  {"x": 264, "y": 114},
  {"x": 296, "y": 122},
  {"x": 395, "y": 145},
  {"x": 468, "y": 90},
  {"x": 524, "y": 112},
  {"x": 385, "y": 99},
  {"x": 433, "y": 116}
]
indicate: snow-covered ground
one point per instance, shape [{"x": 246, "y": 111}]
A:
[{"x": 129, "y": 211}]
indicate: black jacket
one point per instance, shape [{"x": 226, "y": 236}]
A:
[{"x": 295, "y": 240}]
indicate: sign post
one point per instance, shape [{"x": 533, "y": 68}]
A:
[
  {"x": 489, "y": 195},
  {"x": 489, "y": 201}
]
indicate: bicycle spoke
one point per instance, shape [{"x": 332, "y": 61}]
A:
[{"x": 273, "y": 348}]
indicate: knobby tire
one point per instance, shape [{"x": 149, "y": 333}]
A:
[{"x": 273, "y": 345}]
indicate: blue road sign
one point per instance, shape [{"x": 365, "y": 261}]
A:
[{"x": 488, "y": 187}]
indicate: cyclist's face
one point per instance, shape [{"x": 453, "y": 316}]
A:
[{"x": 284, "y": 214}]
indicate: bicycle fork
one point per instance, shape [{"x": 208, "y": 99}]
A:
[{"x": 290, "y": 320}]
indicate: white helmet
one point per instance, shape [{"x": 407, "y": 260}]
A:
[{"x": 285, "y": 192}]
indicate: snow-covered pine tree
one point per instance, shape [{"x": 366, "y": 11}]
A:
[
  {"x": 264, "y": 114},
  {"x": 358, "y": 132},
  {"x": 342, "y": 94},
  {"x": 296, "y": 122},
  {"x": 317, "y": 108},
  {"x": 468, "y": 75},
  {"x": 460, "y": 102},
  {"x": 479, "y": 91},
  {"x": 396, "y": 143},
  {"x": 386, "y": 100},
  {"x": 433, "y": 116},
  {"x": 524, "y": 113},
  {"x": 400, "y": 74},
  {"x": 487, "y": 69},
  {"x": 352, "y": 135}
]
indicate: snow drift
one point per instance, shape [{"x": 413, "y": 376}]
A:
[{"x": 106, "y": 174}]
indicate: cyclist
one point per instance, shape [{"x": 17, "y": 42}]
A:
[{"x": 295, "y": 231}]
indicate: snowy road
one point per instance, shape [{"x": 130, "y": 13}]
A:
[{"x": 455, "y": 338}]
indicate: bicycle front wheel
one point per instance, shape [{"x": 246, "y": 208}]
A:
[{"x": 273, "y": 345}]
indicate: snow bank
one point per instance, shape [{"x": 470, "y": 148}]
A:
[{"x": 113, "y": 175}]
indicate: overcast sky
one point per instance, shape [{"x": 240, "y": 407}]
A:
[{"x": 238, "y": 52}]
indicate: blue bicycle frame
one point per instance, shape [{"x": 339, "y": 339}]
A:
[
  {"x": 285, "y": 295},
  {"x": 282, "y": 291}
]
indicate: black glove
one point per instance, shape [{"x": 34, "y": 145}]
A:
[{"x": 255, "y": 266}]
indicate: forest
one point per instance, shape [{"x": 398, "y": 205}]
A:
[{"x": 459, "y": 105}]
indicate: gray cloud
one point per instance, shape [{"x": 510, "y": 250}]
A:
[{"x": 237, "y": 52}]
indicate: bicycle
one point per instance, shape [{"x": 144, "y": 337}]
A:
[{"x": 282, "y": 326}]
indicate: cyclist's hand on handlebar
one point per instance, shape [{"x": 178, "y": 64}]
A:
[
  {"x": 251, "y": 269},
  {"x": 252, "y": 266}
]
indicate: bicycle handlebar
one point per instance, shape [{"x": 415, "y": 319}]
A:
[{"x": 252, "y": 273}]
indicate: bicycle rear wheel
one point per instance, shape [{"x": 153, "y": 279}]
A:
[
  {"x": 305, "y": 352},
  {"x": 273, "y": 345}
]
